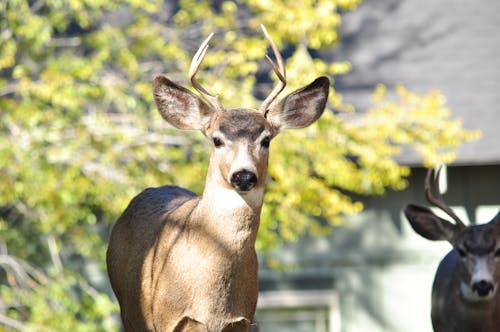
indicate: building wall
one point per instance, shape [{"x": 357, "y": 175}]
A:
[
  {"x": 376, "y": 267},
  {"x": 380, "y": 270}
]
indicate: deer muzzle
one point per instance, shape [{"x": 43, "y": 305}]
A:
[
  {"x": 482, "y": 282},
  {"x": 243, "y": 180},
  {"x": 483, "y": 288}
]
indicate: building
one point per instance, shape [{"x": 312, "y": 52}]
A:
[{"x": 375, "y": 274}]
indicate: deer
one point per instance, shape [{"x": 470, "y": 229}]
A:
[
  {"x": 178, "y": 261},
  {"x": 465, "y": 295}
]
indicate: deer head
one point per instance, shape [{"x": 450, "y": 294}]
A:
[
  {"x": 240, "y": 137},
  {"x": 477, "y": 246}
]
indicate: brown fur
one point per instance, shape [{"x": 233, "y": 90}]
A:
[{"x": 182, "y": 262}]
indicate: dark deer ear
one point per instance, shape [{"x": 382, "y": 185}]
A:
[
  {"x": 496, "y": 219},
  {"x": 300, "y": 108},
  {"x": 496, "y": 222},
  {"x": 179, "y": 106},
  {"x": 427, "y": 224}
]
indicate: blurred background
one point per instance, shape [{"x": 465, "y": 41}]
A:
[{"x": 415, "y": 84}]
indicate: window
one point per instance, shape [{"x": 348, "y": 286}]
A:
[{"x": 298, "y": 311}]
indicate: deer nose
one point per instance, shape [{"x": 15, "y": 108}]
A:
[
  {"x": 243, "y": 180},
  {"x": 482, "y": 287}
]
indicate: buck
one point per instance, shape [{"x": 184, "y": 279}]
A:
[
  {"x": 182, "y": 262},
  {"x": 465, "y": 295}
]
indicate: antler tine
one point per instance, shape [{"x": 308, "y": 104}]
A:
[
  {"x": 438, "y": 201},
  {"x": 279, "y": 70},
  {"x": 193, "y": 69}
]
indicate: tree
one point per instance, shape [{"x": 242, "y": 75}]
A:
[{"x": 80, "y": 136}]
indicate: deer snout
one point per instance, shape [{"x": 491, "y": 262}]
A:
[
  {"x": 243, "y": 180},
  {"x": 483, "y": 288},
  {"x": 482, "y": 279}
]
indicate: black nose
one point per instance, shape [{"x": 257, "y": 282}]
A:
[
  {"x": 483, "y": 287},
  {"x": 243, "y": 180}
]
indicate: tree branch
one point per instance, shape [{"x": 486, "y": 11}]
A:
[
  {"x": 9, "y": 89},
  {"x": 54, "y": 253},
  {"x": 10, "y": 262},
  {"x": 10, "y": 322}
]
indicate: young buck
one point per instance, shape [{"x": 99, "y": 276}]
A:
[
  {"x": 182, "y": 262},
  {"x": 465, "y": 295}
]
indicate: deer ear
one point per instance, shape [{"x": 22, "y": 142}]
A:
[
  {"x": 427, "y": 224},
  {"x": 300, "y": 108},
  {"x": 179, "y": 106},
  {"x": 496, "y": 222},
  {"x": 496, "y": 219}
]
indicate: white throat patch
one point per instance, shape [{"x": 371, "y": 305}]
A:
[{"x": 230, "y": 199}]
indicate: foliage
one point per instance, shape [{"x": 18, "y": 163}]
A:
[{"x": 80, "y": 136}]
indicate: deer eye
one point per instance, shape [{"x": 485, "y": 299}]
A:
[
  {"x": 265, "y": 142},
  {"x": 217, "y": 142},
  {"x": 461, "y": 252}
]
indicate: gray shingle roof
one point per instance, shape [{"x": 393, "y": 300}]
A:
[{"x": 451, "y": 45}]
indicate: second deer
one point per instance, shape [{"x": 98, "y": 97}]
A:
[
  {"x": 465, "y": 296},
  {"x": 182, "y": 262}
]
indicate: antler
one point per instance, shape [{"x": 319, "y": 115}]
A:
[
  {"x": 279, "y": 70},
  {"x": 193, "y": 69},
  {"x": 438, "y": 201}
]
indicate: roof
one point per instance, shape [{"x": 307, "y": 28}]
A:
[{"x": 450, "y": 45}]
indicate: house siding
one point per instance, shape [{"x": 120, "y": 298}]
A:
[{"x": 380, "y": 268}]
